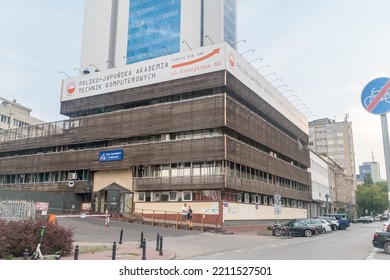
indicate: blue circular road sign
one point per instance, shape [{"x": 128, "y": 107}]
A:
[{"x": 376, "y": 96}]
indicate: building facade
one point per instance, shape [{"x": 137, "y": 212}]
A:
[
  {"x": 13, "y": 115},
  {"x": 202, "y": 127},
  {"x": 370, "y": 169},
  {"x": 335, "y": 139},
  {"x": 120, "y": 32}
]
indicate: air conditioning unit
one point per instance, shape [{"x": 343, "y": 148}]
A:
[
  {"x": 72, "y": 176},
  {"x": 165, "y": 137}
]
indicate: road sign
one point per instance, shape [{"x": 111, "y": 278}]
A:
[{"x": 375, "y": 97}]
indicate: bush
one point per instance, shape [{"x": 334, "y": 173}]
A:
[{"x": 16, "y": 236}]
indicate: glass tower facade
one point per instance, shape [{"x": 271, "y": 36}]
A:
[
  {"x": 230, "y": 21},
  {"x": 154, "y": 29}
]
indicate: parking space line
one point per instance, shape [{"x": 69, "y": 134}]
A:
[{"x": 371, "y": 256}]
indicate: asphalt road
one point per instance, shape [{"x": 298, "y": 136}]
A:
[{"x": 351, "y": 244}]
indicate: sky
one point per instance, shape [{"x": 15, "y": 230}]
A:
[{"x": 325, "y": 52}]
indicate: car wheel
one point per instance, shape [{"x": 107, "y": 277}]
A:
[
  {"x": 323, "y": 231},
  {"x": 343, "y": 227},
  {"x": 386, "y": 246},
  {"x": 277, "y": 232},
  {"x": 308, "y": 233}
]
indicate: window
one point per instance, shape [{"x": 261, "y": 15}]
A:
[
  {"x": 187, "y": 196},
  {"x": 172, "y": 196},
  {"x": 141, "y": 196},
  {"x": 246, "y": 196}
]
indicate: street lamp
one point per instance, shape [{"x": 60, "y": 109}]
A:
[
  {"x": 78, "y": 70},
  {"x": 251, "y": 50},
  {"x": 255, "y": 60},
  {"x": 278, "y": 79},
  {"x": 185, "y": 42},
  {"x": 262, "y": 67},
  {"x": 110, "y": 62},
  {"x": 272, "y": 73},
  {"x": 166, "y": 49},
  {"x": 61, "y": 72},
  {"x": 96, "y": 69},
  {"x": 207, "y": 36},
  {"x": 284, "y": 85},
  {"x": 238, "y": 42}
]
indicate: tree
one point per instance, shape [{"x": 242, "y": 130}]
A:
[{"x": 372, "y": 197}]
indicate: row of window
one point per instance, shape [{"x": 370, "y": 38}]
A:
[
  {"x": 15, "y": 122},
  {"x": 213, "y": 195}
]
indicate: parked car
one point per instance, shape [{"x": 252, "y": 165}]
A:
[
  {"x": 301, "y": 229},
  {"x": 364, "y": 220},
  {"x": 386, "y": 226},
  {"x": 343, "y": 220},
  {"x": 326, "y": 225},
  {"x": 334, "y": 224},
  {"x": 382, "y": 241},
  {"x": 311, "y": 222},
  {"x": 377, "y": 218}
]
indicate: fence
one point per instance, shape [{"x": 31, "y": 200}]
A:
[{"x": 15, "y": 210}]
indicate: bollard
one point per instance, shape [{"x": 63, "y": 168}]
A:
[
  {"x": 113, "y": 250},
  {"x": 142, "y": 239},
  {"x": 76, "y": 252},
  {"x": 121, "y": 236},
  {"x": 161, "y": 246},
  {"x": 157, "y": 242},
  {"x": 25, "y": 254},
  {"x": 144, "y": 249}
]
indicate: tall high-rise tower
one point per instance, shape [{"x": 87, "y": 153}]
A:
[{"x": 120, "y": 32}]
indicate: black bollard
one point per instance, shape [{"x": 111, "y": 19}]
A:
[
  {"x": 161, "y": 246},
  {"x": 144, "y": 250},
  {"x": 158, "y": 242},
  {"x": 76, "y": 252},
  {"x": 113, "y": 250},
  {"x": 121, "y": 236},
  {"x": 25, "y": 254},
  {"x": 142, "y": 239}
]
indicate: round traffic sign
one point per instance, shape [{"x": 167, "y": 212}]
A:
[{"x": 375, "y": 97}]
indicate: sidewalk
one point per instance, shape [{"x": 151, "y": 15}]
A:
[{"x": 124, "y": 251}]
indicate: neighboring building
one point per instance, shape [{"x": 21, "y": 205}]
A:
[
  {"x": 201, "y": 126},
  {"x": 369, "y": 169},
  {"x": 120, "y": 32},
  {"x": 13, "y": 115},
  {"x": 321, "y": 189},
  {"x": 335, "y": 139}
]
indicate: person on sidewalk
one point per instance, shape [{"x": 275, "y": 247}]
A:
[
  {"x": 189, "y": 217},
  {"x": 184, "y": 212}
]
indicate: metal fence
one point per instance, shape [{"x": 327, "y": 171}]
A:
[{"x": 15, "y": 210}]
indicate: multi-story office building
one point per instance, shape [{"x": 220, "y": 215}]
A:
[
  {"x": 370, "y": 169},
  {"x": 197, "y": 125},
  {"x": 335, "y": 139},
  {"x": 13, "y": 114},
  {"x": 120, "y": 32},
  {"x": 201, "y": 126}
]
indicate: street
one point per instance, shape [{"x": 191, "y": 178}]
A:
[{"x": 351, "y": 244}]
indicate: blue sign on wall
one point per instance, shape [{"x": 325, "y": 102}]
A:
[
  {"x": 375, "y": 97},
  {"x": 111, "y": 155}
]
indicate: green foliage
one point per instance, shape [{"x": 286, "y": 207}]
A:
[
  {"x": 16, "y": 236},
  {"x": 372, "y": 197}
]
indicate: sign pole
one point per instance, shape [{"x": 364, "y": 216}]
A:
[{"x": 386, "y": 148}]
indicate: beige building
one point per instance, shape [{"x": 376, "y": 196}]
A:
[
  {"x": 14, "y": 115},
  {"x": 335, "y": 139}
]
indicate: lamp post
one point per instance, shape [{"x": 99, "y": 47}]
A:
[
  {"x": 262, "y": 67},
  {"x": 207, "y": 36},
  {"x": 78, "y": 70},
  {"x": 255, "y": 60},
  {"x": 237, "y": 43},
  {"x": 110, "y": 62},
  {"x": 96, "y": 69},
  {"x": 61, "y": 72},
  {"x": 251, "y": 50},
  {"x": 185, "y": 42}
]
